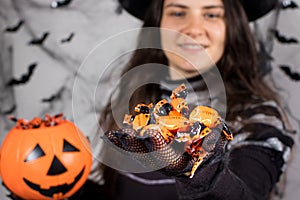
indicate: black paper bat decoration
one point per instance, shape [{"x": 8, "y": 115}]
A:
[
  {"x": 54, "y": 96},
  {"x": 14, "y": 28},
  {"x": 288, "y": 4},
  {"x": 283, "y": 39},
  {"x": 61, "y": 3},
  {"x": 9, "y": 111},
  {"x": 39, "y": 41},
  {"x": 50, "y": 99},
  {"x": 68, "y": 39},
  {"x": 24, "y": 78},
  {"x": 293, "y": 75}
]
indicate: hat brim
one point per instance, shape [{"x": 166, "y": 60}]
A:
[{"x": 254, "y": 8}]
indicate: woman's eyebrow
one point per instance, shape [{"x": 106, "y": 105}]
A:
[
  {"x": 213, "y": 6},
  {"x": 175, "y": 5}
]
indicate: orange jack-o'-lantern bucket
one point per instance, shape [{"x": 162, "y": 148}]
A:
[{"x": 45, "y": 159}]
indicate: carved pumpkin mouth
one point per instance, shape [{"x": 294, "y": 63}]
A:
[{"x": 54, "y": 189}]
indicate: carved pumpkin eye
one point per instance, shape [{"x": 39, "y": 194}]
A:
[
  {"x": 67, "y": 147},
  {"x": 36, "y": 153}
]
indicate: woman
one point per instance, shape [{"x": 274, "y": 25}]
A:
[{"x": 253, "y": 162}]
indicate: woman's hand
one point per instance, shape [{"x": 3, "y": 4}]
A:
[{"x": 181, "y": 157}]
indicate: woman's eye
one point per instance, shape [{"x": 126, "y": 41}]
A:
[
  {"x": 177, "y": 14},
  {"x": 213, "y": 15}
]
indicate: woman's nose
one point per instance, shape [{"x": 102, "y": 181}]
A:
[{"x": 194, "y": 27}]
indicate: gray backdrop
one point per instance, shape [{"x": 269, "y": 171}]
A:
[{"x": 92, "y": 23}]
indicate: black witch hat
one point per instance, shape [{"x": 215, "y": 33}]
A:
[{"x": 253, "y": 8}]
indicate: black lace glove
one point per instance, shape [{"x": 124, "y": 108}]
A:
[
  {"x": 181, "y": 157},
  {"x": 169, "y": 138}
]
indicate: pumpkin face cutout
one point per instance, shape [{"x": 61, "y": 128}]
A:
[{"x": 49, "y": 162}]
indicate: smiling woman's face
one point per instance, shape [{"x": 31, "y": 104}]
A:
[{"x": 192, "y": 35}]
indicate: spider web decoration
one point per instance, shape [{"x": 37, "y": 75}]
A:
[{"x": 71, "y": 24}]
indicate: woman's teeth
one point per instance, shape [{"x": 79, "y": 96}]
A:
[{"x": 191, "y": 46}]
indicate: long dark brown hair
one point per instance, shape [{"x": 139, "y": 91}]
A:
[{"x": 237, "y": 66}]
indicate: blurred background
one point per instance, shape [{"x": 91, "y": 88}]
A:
[{"x": 46, "y": 47}]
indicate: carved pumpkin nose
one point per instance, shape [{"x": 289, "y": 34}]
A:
[{"x": 56, "y": 167}]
